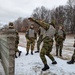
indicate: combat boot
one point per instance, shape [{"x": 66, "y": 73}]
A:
[
  {"x": 37, "y": 51},
  {"x": 15, "y": 56},
  {"x": 31, "y": 53},
  {"x": 20, "y": 53},
  {"x": 27, "y": 53},
  {"x": 71, "y": 62},
  {"x": 54, "y": 62},
  {"x": 46, "y": 67}
]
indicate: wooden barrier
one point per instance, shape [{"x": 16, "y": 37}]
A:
[{"x": 7, "y": 50}]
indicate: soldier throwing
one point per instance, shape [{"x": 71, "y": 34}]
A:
[
  {"x": 16, "y": 41},
  {"x": 59, "y": 38},
  {"x": 47, "y": 43},
  {"x": 31, "y": 37},
  {"x": 73, "y": 56}
]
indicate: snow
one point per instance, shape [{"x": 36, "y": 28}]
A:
[
  {"x": 32, "y": 65},
  {"x": 67, "y": 48}
]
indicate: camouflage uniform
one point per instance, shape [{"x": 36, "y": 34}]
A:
[
  {"x": 60, "y": 37},
  {"x": 16, "y": 41},
  {"x": 41, "y": 33},
  {"x": 73, "y": 56},
  {"x": 30, "y": 36},
  {"x": 74, "y": 50},
  {"x": 47, "y": 42}
]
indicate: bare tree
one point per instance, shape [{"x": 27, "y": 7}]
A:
[{"x": 42, "y": 14}]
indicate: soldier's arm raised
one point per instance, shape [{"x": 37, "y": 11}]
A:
[{"x": 42, "y": 24}]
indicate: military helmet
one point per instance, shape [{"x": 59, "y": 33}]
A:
[{"x": 11, "y": 26}]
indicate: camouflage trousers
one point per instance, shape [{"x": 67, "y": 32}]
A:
[
  {"x": 30, "y": 43},
  {"x": 39, "y": 42},
  {"x": 16, "y": 49},
  {"x": 59, "y": 46},
  {"x": 0, "y": 55},
  {"x": 73, "y": 56},
  {"x": 46, "y": 49}
]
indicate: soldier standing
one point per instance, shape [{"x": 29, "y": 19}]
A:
[
  {"x": 16, "y": 41},
  {"x": 31, "y": 37},
  {"x": 16, "y": 45},
  {"x": 59, "y": 38},
  {"x": 41, "y": 32},
  {"x": 47, "y": 43},
  {"x": 73, "y": 56}
]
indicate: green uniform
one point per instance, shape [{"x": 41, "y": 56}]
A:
[
  {"x": 16, "y": 42},
  {"x": 73, "y": 56},
  {"x": 41, "y": 33},
  {"x": 30, "y": 36},
  {"x": 47, "y": 44},
  {"x": 60, "y": 37},
  {"x": 47, "y": 40}
]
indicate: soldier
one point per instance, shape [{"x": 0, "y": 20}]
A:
[
  {"x": 16, "y": 41},
  {"x": 41, "y": 32},
  {"x": 47, "y": 43},
  {"x": 59, "y": 38},
  {"x": 31, "y": 37},
  {"x": 73, "y": 56}
]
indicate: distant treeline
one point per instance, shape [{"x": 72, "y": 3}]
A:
[{"x": 64, "y": 15}]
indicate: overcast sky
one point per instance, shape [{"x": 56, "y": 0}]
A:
[{"x": 10, "y": 10}]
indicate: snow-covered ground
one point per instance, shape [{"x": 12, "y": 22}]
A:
[
  {"x": 67, "y": 48},
  {"x": 32, "y": 65}
]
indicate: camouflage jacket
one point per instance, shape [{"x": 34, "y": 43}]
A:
[
  {"x": 60, "y": 35},
  {"x": 40, "y": 23},
  {"x": 50, "y": 30},
  {"x": 31, "y": 34}
]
